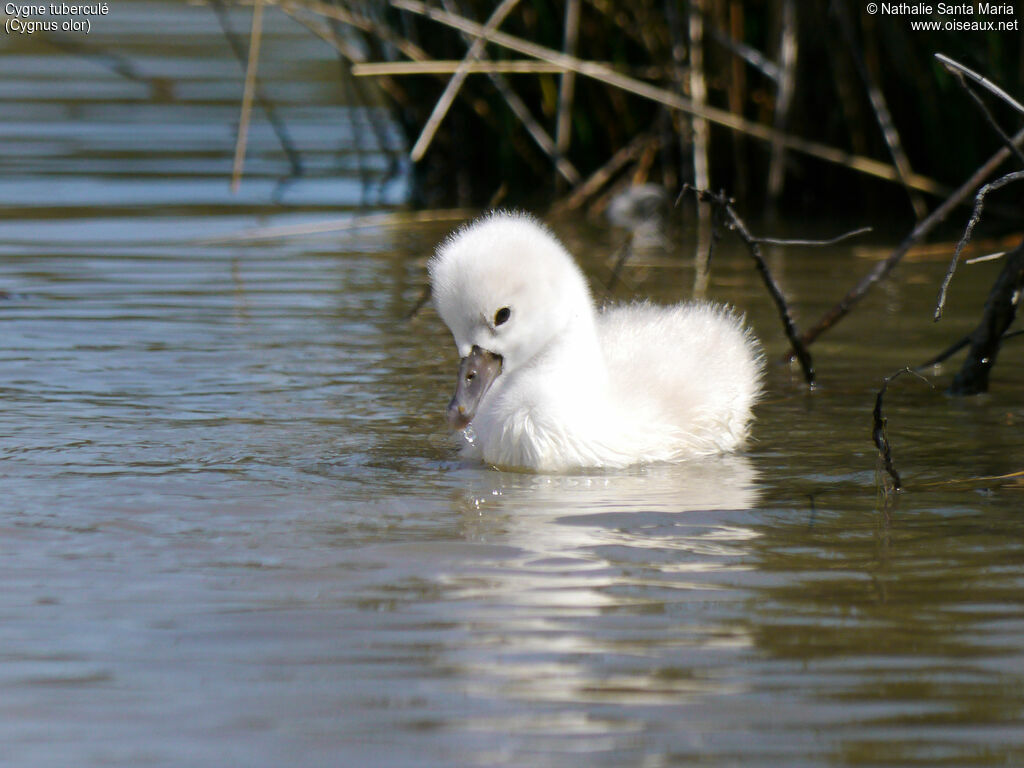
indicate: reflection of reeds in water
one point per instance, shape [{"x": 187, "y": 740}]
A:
[{"x": 568, "y": 100}]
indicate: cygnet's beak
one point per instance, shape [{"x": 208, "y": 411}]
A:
[{"x": 477, "y": 372}]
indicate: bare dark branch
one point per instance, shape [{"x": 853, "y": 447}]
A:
[
  {"x": 878, "y": 433},
  {"x": 956, "y": 346},
  {"x": 883, "y": 268},
  {"x": 986, "y": 338},
  {"x": 732, "y": 221}
]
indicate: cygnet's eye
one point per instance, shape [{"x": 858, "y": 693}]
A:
[{"x": 502, "y": 315}]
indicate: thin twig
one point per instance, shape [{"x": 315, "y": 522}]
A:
[
  {"x": 984, "y": 82},
  {"x": 255, "y": 33},
  {"x": 455, "y": 83},
  {"x": 878, "y": 433},
  {"x": 737, "y": 225},
  {"x": 986, "y": 257},
  {"x": 831, "y": 241},
  {"x": 722, "y": 117},
  {"x": 979, "y": 203}
]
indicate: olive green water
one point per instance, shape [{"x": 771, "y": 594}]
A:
[{"x": 235, "y": 532}]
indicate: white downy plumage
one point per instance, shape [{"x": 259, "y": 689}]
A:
[{"x": 549, "y": 383}]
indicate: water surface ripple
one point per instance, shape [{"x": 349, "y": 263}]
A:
[{"x": 234, "y": 531}]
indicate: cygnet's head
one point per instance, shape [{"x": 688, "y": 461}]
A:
[{"x": 506, "y": 288}]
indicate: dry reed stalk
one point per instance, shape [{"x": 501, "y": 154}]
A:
[
  {"x": 700, "y": 130},
  {"x": 783, "y": 99},
  {"x": 567, "y": 84},
  {"x": 448, "y": 66},
  {"x": 393, "y": 219},
  {"x": 895, "y": 145},
  {"x": 737, "y": 90},
  {"x": 882, "y": 114},
  {"x": 255, "y": 34},
  {"x": 609, "y": 76},
  {"x": 350, "y": 52},
  {"x": 346, "y": 50},
  {"x": 276, "y": 123},
  {"x": 455, "y": 83},
  {"x": 698, "y": 92},
  {"x": 407, "y": 48},
  {"x": 541, "y": 137},
  {"x": 522, "y": 113},
  {"x": 602, "y": 175}
]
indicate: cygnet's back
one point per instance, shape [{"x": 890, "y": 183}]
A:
[{"x": 690, "y": 369}]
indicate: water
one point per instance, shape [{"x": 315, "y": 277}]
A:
[{"x": 235, "y": 532}]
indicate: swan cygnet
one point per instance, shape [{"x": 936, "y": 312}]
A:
[{"x": 549, "y": 383}]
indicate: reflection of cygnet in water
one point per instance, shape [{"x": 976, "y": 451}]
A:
[
  {"x": 582, "y": 555},
  {"x": 548, "y": 382},
  {"x": 565, "y": 515},
  {"x": 641, "y": 209}
]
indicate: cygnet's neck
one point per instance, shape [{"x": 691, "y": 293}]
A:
[{"x": 571, "y": 370}]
